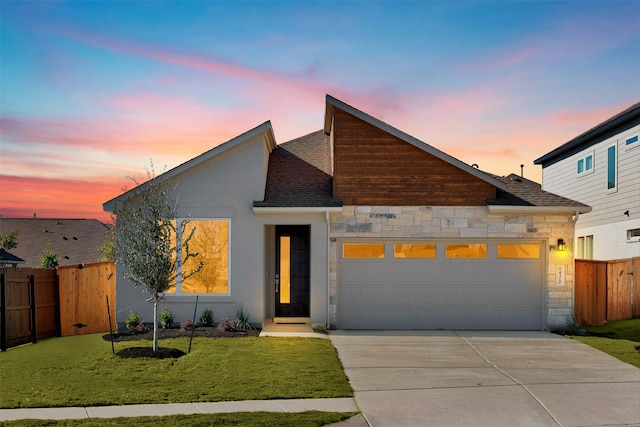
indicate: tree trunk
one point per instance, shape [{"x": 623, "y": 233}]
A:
[{"x": 155, "y": 322}]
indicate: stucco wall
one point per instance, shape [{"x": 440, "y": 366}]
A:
[{"x": 457, "y": 223}]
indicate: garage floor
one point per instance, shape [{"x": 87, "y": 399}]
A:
[{"x": 447, "y": 378}]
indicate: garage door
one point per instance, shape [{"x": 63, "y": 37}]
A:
[{"x": 441, "y": 285}]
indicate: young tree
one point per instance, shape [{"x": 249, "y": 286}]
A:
[
  {"x": 148, "y": 241},
  {"x": 49, "y": 259},
  {"x": 108, "y": 247},
  {"x": 8, "y": 241}
]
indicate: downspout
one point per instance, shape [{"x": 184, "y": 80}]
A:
[{"x": 326, "y": 216}]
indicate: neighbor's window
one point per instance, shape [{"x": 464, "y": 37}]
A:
[
  {"x": 631, "y": 140},
  {"x": 473, "y": 250},
  {"x": 519, "y": 251},
  {"x": 414, "y": 250},
  {"x": 363, "y": 250},
  {"x": 211, "y": 241},
  {"x": 633, "y": 235},
  {"x": 585, "y": 164},
  {"x": 612, "y": 166}
]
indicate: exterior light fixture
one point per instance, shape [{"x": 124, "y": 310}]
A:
[{"x": 561, "y": 245}]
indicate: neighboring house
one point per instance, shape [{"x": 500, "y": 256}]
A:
[
  {"x": 601, "y": 168},
  {"x": 9, "y": 259},
  {"x": 73, "y": 241},
  {"x": 361, "y": 226}
]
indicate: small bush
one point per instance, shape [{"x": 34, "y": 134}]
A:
[
  {"x": 207, "y": 317},
  {"x": 134, "y": 322},
  {"x": 227, "y": 325},
  {"x": 166, "y": 318},
  {"x": 243, "y": 319},
  {"x": 321, "y": 329},
  {"x": 186, "y": 325},
  {"x": 574, "y": 328}
]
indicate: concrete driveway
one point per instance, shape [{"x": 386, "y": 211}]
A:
[{"x": 447, "y": 378}]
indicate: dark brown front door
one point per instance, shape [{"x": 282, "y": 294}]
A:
[{"x": 292, "y": 271}]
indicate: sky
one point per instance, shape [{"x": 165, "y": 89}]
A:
[{"x": 94, "y": 92}]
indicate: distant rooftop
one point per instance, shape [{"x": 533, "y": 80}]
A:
[{"x": 73, "y": 241}]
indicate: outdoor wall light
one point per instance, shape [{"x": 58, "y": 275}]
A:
[{"x": 561, "y": 246}]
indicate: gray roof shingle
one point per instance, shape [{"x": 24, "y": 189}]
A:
[
  {"x": 73, "y": 241},
  {"x": 524, "y": 192},
  {"x": 299, "y": 174}
]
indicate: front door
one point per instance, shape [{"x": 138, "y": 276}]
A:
[{"x": 292, "y": 271}]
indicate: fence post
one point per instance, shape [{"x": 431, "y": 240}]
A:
[
  {"x": 32, "y": 290},
  {"x": 3, "y": 314}
]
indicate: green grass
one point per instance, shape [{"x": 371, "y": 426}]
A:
[
  {"x": 262, "y": 419},
  {"x": 620, "y": 339},
  {"x": 82, "y": 371}
]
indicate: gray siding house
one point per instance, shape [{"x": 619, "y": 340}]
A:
[
  {"x": 601, "y": 168},
  {"x": 362, "y": 226}
]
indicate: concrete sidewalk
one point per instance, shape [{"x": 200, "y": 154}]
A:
[
  {"x": 448, "y": 378},
  {"x": 283, "y": 405}
]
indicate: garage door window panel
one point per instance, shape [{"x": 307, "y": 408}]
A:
[
  {"x": 414, "y": 250},
  {"x": 518, "y": 251},
  {"x": 466, "y": 251},
  {"x": 363, "y": 250}
]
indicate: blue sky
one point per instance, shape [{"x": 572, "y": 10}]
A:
[{"x": 91, "y": 91}]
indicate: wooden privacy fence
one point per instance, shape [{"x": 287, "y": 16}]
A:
[
  {"x": 42, "y": 303},
  {"x": 83, "y": 292},
  {"x": 606, "y": 290},
  {"x": 28, "y": 306}
]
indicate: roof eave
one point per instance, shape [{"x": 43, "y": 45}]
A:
[
  {"x": 295, "y": 210},
  {"x": 605, "y": 127},
  {"x": 510, "y": 209},
  {"x": 332, "y": 102},
  {"x": 266, "y": 128}
]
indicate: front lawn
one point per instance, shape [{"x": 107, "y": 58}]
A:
[
  {"x": 245, "y": 419},
  {"x": 620, "y": 339},
  {"x": 82, "y": 371}
]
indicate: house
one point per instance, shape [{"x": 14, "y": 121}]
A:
[
  {"x": 9, "y": 259},
  {"x": 362, "y": 226},
  {"x": 73, "y": 241},
  {"x": 601, "y": 168}
]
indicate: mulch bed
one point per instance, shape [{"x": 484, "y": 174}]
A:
[{"x": 164, "y": 352}]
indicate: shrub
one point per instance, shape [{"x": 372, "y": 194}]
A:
[
  {"x": 166, "y": 318},
  {"x": 207, "y": 317},
  {"x": 319, "y": 328},
  {"x": 227, "y": 325},
  {"x": 243, "y": 319},
  {"x": 134, "y": 322},
  {"x": 186, "y": 325},
  {"x": 574, "y": 328}
]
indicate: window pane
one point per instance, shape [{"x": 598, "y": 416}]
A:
[
  {"x": 519, "y": 251},
  {"x": 363, "y": 250},
  {"x": 285, "y": 270},
  {"x": 467, "y": 251},
  {"x": 632, "y": 140},
  {"x": 611, "y": 167},
  {"x": 588, "y": 163},
  {"x": 211, "y": 242},
  {"x": 414, "y": 251},
  {"x": 580, "y": 166}
]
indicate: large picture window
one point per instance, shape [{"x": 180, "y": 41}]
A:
[{"x": 211, "y": 241}]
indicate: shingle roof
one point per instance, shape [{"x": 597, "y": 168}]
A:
[
  {"x": 9, "y": 258},
  {"x": 300, "y": 175},
  {"x": 523, "y": 192},
  {"x": 73, "y": 241}
]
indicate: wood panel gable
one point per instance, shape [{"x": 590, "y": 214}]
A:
[{"x": 374, "y": 167}]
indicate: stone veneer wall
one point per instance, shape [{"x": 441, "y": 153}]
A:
[{"x": 463, "y": 222}]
